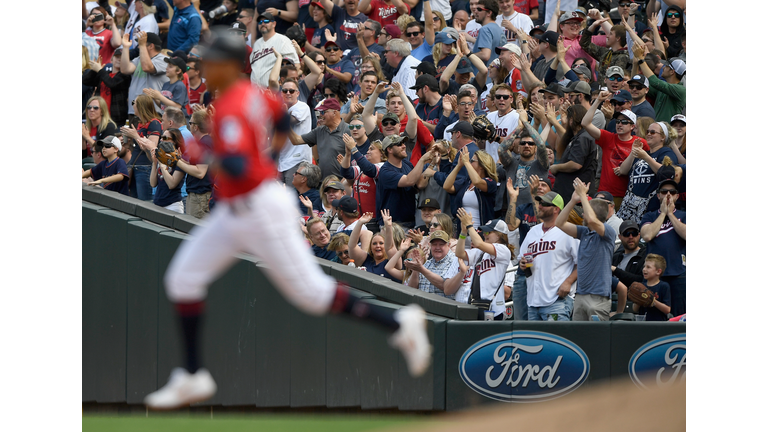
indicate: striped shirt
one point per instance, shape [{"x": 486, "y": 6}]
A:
[{"x": 445, "y": 268}]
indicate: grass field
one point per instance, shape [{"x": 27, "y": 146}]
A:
[{"x": 238, "y": 423}]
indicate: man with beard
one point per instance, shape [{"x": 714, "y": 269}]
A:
[
  {"x": 262, "y": 59},
  {"x": 530, "y": 160},
  {"x": 579, "y": 93},
  {"x": 579, "y": 155},
  {"x": 629, "y": 259},
  {"x": 504, "y": 118},
  {"x": 357, "y": 104}
]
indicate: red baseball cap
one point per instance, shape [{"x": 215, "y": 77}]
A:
[{"x": 329, "y": 104}]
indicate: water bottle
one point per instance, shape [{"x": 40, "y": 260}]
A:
[
  {"x": 221, "y": 10},
  {"x": 352, "y": 263}
]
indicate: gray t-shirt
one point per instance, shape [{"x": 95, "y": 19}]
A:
[
  {"x": 177, "y": 92},
  {"x": 141, "y": 80},
  {"x": 329, "y": 145},
  {"x": 594, "y": 261},
  {"x": 519, "y": 171},
  {"x": 627, "y": 256}
]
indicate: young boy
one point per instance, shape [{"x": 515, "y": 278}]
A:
[
  {"x": 173, "y": 93},
  {"x": 113, "y": 171},
  {"x": 652, "y": 271}
]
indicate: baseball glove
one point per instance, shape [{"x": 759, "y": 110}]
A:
[
  {"x": 167, "y": 153},
  {"x": 484, "y": 129},
  {"x": 640, "y": 294}
]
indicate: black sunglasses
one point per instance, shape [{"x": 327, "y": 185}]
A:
[
  {"x": 615, "y": 102},
  {"x": 388, "y": 122},
  {"x": 333, "y": 49},
  {"x": 636, "y": 87},
  {"x": 624, "y": 122},
  {"x": 329, "y": 95},
  {"x": 616, "y": 78},
  {"x": 434, "y": 225},
  {"x": 93, "y": 108},
  {"x": 625, "y": 4},
  {"x": 320, "y": 61},
  {"x": 528, "y": 143},
  {"x": 630, "y": 233},
  {"x": 500, "y": 96},
  {"x": 668, "y": 191},
  {"x": 673, "y": 15},
  {"x": 291, "y": 91},
  {"x": 108, "y": 145},
  {"x": 340, "y": 253},
  {"x": 413, "y": 34}
]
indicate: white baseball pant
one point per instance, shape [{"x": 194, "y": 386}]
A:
[{"x": 267, "y": 229}]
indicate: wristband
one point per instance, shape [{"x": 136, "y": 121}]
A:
[
  {"x": 525, "y": 41},
  {"x": 470, "y": 227},
  {"x": 462, "y": 236},
  {"x": 278, "y": 13},
  {"x": 302, "y": 56},
  {"x": 640, "y": 61}
]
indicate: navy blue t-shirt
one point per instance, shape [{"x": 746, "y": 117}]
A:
[
  {"x": 371, "y": 267},
  {"x": 324, "y": 253},
  {"x": 343, "y": 66},
  {"x": 401, "y": 202},
  {"x": 105, "y": 169},
  {"x": 203, "y": 185},
  {"x": 347, "y": 26},
  {"x": 667, "y": 243},
  {"x": 163, "y": 195},
  {"x": 430, "y": 114},
  {"x": 314, "y": 196},
  {"x": 663, "y": 294},
  {"x": 145, "y": 130}
]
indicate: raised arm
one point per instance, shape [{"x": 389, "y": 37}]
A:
[
  {"x": 562, "y": 219},
  {"x": 477, "y": 62},
  {"x": 117, "y": 38},
  {"x": 126, "y": 66},
  {"x": 402, "y": 9},
  {"x": 445, "y": 78},
  {"x": 474, "y": 177},
  {"x": 389, "y": 238},
  {"x": 452, "y": 285},
  {"x": 274, "y": 74},
  {"x": 586, "y": 122},
  {"x": 511, "y": 217},
  {"x": 413, "y": 118},
  {"x": 465, "y": 219},
  {"x": 429, "y": 25},
  {"x": 394, "y": 260},
  {"x": 146, "y": 61},
  {"x": 364, "y": 6},
  {"x": 369, "y": 111},
  {"x": 413, "y": 177},
  {"x": 590, "y": 218},
  {"x": 451, "y": 179},
  {"x": 555, "y": 18},
  {"x": 355, "y": 252}
]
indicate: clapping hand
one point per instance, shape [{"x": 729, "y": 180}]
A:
[
  {"x": 381, "y": 87},
  {"x": 533, "y": 182},
  {"x": 306, "y": 202},
  {"x": 397, "y": 88},
  {"x": 405, "y": 244},
  {"x": 329, "y": 36},
  {"x": 464, "y": 156},
  {"x": 349, "y": 142},
  {"x": 580, "y": 189},
  {"x": 607, "y": 110},
  {"x": 416, "y": 235},
  {"x": 129, "y": 131},
  {"x": 512, "y": 190},
  {"x": 95, "y": 65}
]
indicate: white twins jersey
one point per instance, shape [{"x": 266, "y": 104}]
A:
[
  {"x": 505, "y": 125},
  {"x": 493, "y": 270},
  {"x": 472, "y": 29},
  {"x": 520, "y": 21},
  {"x": 262, "y": 60},
  {"x": 291, "y": 155},
  {"x": 554, "y": 255}
]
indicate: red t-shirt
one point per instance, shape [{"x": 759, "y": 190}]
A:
[
  {"x": 244, "y": 117},
  {"x": 525, "y": 6},
  {"x": 614, "y": 153},
  {"x": 364, "y": 191},
  {"x": 515, "y": 80},
  {"x": 384, "y": 13},
  {"x": 423, "y": 138},
  {"x": 195, "y": 94},
  {"x": 104, "y": 39}
]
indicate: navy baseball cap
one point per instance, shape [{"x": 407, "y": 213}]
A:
[
  {"x": 345, "y": 203},
  {"x": 464, "y": 66},
  {"x": 465, "y": 128},
  {"x": 622, "y": 96}
]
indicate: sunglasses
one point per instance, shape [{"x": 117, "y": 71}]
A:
[
  {"x": 166, "y": 138},
  {"x": 320, "y": 61},
  {"x": 436, "y": 19},
  {"x": 242, "y": 16},
  {"x": 332, "y": 49},
  {"x": 291, "y": 91},
  {"x": 368, "y": 28},
  {"x": 108, "y": 145},
  {"x": 636, "y": 87},
  {"x": 328, "y": 95},
  {"x": 624, "y": 122},
  {"x": 93, "y": 108},
  {"x": 388, "y": 122},
  {"x": 615, "y": 103},
  {"x": 630, "y": 233},
  {"x": 473, "y": 160},
  {"x": 673, "y": 15},
  {"x": 355, "y": 127},
  {"x": 340, "y": 253},
  {"x": 543, "y": 204},
  {"x": 297, "y": 173},
  {"x": 504, "y": 97},
  {"x": 265, "y": 22},
  {"x": 413, "y": 34},
  {"x": 528, "y": 143},
  {"x": 434, "y": 225},
  {"x": 616, "y": 78},
  {"x": 320, "y": 113},
  {"x": 625, "y": 4},
  {"x": 668, "y": 191},
  {"x": 652, "y": 132}
]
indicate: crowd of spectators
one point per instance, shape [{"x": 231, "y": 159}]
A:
[{"x": 482, "y": 150}]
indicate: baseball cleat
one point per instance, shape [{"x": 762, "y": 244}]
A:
[
  {"x": 411, "y": 339},
  {"x": 182, "y": 389}
]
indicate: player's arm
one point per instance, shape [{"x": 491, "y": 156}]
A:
[{"x": 562, "y": 219}]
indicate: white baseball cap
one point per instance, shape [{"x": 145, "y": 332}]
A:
[
  {"x": 629, "y": 114},
  {"x": 497, "y": 225},
  {"x": 112, "y": 140}
]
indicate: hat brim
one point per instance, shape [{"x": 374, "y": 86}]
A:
[
  {"x": 616, "y": 115},
  {"x": 642, "y": 83}
]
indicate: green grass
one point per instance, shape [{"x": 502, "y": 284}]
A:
[{"x": 237, "y": 423}]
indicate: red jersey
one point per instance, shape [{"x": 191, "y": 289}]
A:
[
  {"x": 614, "y": 153},
  {"x": 104, "y": 39},
  {"x": 384, "y": 13},
  {"x": 515, "y": 80},
  {"x": 244, "y": 119},
  {"x": 525, "y": 6},
  {"x": 196, "y": 94},
  {"x": 247, "y": 67},
  {"x": 423, "y": 138}
]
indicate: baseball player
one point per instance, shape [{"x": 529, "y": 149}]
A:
[{"x": 255, "y": 214}]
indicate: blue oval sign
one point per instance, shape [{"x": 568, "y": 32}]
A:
[
  {"x": 659, "y": 363},
  {"x": 524, "y": 366}
]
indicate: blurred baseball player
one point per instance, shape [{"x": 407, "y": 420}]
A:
[{"x": 256, "y": 215}]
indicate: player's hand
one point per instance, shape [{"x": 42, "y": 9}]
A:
[
  {"x": 142, "y": 39},
  {"x": 365, "y": 218},
  {"x": 405, "y": 244},
  {"x": 386, "y": 218},
  {"x": 512, "y": 191},
  {"x": 465, "y": 217},
  {"x": 564, "y": 289},
  {"x": 349, "y": 142},
  {"x": 533, "y": 182}
]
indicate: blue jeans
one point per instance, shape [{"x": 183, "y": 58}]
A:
[
  {"x": 542, "y": 313},
  {"x": 569, "y": 306},
  {"x": 140, "y": 187},
  {"x": 520, "y": 298},
  {"x": 677, "y": 292}
]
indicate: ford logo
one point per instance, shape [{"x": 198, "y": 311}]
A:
[
  {"x": 524, "y": 366},
  {"x": 659, "y": 363}
]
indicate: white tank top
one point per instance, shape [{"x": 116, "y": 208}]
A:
[{"x": 471, "y": 205}]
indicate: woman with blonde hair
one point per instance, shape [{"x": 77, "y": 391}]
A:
[
  {"x": 145, "y": 137},
  {"x": 98, "y": 124},
  {"x": 642, "y": 126},
  {"x": 411, "y": 253},
  {"x": 478, "y": 194},
  {"x": 642, "y": 167},
  {"x": 375, "y": 259}
]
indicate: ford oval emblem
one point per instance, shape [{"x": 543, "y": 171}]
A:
[
  {"x": 659, "y": 363},
  {"x": 524, "y": 366}
]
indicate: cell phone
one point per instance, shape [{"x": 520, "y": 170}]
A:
[{"x": 97, "y": 18}]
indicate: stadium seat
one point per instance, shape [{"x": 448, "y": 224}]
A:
[{"x": 622, "y": 317}]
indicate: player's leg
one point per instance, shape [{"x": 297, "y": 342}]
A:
[
  {"x": 200, "y": 259},
  {"x": 273, "y": 237}
]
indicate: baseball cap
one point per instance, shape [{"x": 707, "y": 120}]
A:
[
  {"x": 390, "y": 140},
  {"x": 628, "y": 114},
  {"x": 225, "y": 47},
  {"x": 622, "y": 96},
  {"x": 334, "y": 185},
  {"x": 578, "y": 87},
  {"x": 497, "y": 225},
  {"x": 329, "y": 104},
  {"x": 426, "y": 67},
  {"x": 665, "y": 174},
  {"x": 330, "y": 42},
  {"x": 464, "y": 127},
  {"x": 546, "y": 180},
  {"x": 439, "y": 235},
  {"x": 614, "y": 70},
  {"x": 553, "y": 88},
  {"x": 429, "y": 203},
  {"x": 678, "y": 117},
  {"x": 552, "y": 197},
  {"x": 318, "y": 4},
  {"x": 393, "y": 30},
  {"x": 446, "y": 38},
  {"x": 628, "y": 224},
  {"x": 111, "y": 140},
  {"x": 238, "y": 27},
  {"x": 464, "y": 66},
  {"x": 266, "y": 15},
  {"x": 509, "y": 47},
  {"x": 345, "y": 203},
  {"x": 581, "y": 69},
  {"x": 549, "y": 37},
  {"x": 180, "y": 54},
  {"x": 570, "y": 16},
  {"x": 176, "y": 62},
  {"x": 640, "y": 79},
  {"x": 605, "y": 196},
  {"x": 123, "y": 5},
  {"x": 678, "y": 65},
  {"x": 154, "y": 39},
  {"x": 581, "y": 10},
  {"x": 426, "y": 80},
  {"x": 669, "y": 181},
  {"x": 539, "y": 28},
  {"x": 391, "y": 116}
]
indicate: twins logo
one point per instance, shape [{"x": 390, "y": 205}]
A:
[
  {"x": 541, "y": 247},
  {"x": 659, "y": 363},
  {"x": 502, "y": 132},
  {"x": 524, "y": 366}
]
